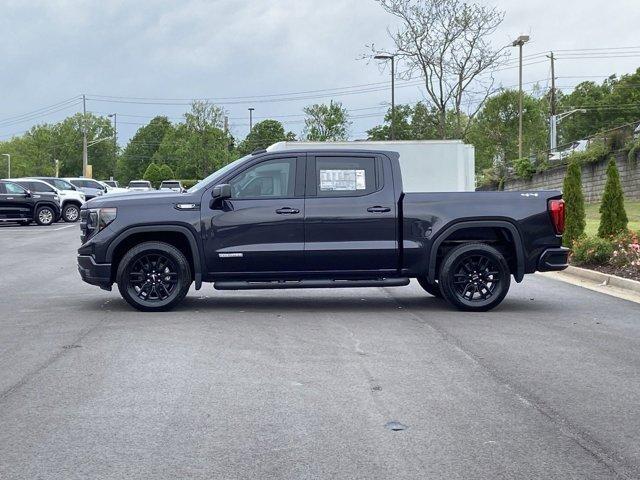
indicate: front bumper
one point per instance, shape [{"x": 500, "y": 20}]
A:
[
  {"x": 554, "y": 259},
  {"x": 94, "y": 273}
]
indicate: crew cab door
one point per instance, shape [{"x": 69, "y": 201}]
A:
[
  {"x": 260, "y": 229},
  {"x": 350, "y": 214},
  {"x": 14, "y": 202}
]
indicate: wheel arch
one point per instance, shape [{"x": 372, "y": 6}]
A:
[
  {"x": 166, "y": 233},
  {"x": 518, "y": 274},
  {"x": 46, "y": 203}
]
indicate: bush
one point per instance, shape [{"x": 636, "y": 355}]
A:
[
  {"x": 165, "y": 172},
  {"x": 613, "y": 218},
  {"x": 591, "y": 251},
  {"x": 634, "y": 151},
  {"x": 189, "y": 183},
  {"x": 595, "y": 152},
  {"x": 574, "y": 204},
  {"x": 524, "y": 168},
  {"x": 626, "y": 252},
  {"x": 153, "y": 175}
]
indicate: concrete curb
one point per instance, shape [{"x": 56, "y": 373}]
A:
[{"x": 604, "y": 278}]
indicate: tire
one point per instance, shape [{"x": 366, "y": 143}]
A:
[
  {"x": 141, "y": 283},
  {"x": 474, "y": 277},
  {"x": 45, "y": 215},
  {"x": 430, "y": 288},
  {"x": 71, "y": 213}
]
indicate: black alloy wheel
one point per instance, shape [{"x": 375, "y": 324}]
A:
[
  {"x": 154, "y": 276},
  {"x": 475, "y": 277}
]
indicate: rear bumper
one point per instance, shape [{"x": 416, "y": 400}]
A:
[
  {"x": 94, "y": 273},
  {"x": 554, "y": 259}
]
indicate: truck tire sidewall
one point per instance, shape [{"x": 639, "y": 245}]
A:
[
  {"x": 446, "y": 277},
  {"x": 71, "y": 208},
  {"x": 39, "y": 210},
  {"x": 179, "y": 292}
]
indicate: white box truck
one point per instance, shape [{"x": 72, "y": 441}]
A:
[{"x": 427, "y": 165}]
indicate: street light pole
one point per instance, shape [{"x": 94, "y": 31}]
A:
[
  {"x": 519, "y": 42},
  {"x": 8, "y": 155},
  {"x": 85, "y": 152},
  {"x": 251, "y": 109},
  {"x": 393, "y": 91},
  {"x": 554, "y": 120}
]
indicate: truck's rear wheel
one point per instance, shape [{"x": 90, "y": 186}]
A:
[
  {"x": 474, "y": 277},
  {"x": 45, "y": 216},
  {"x": 430, "y": 288},
  {"x": 153, "y": 276}
]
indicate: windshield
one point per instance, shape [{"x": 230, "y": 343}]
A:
[
  {"x": 170, "y": 184},
  {"x": 217, "y": 174},
  {"x": 139, "y": 184}
]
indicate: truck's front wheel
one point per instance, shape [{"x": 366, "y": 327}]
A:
[
  {"x": 153, "y": 276},
  {"x": 474, "y": 277}
]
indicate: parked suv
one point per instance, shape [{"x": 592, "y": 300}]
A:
[
  {"x": 18, "y": 204},
  {"x": 91, "y": 188},
  {"x": 71, "y": 199},
  {"x": 172, "y": 185}
]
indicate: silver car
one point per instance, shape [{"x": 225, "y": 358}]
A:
[{"x": 91, "y": 188}]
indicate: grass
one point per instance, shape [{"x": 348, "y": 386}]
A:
[{"x": 593, "y": 216}]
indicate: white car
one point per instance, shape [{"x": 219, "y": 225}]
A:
[
  {"x": 70, "y": 199},
  {"x": 111, "y": 189},
  {"x": 140, "y": 186}
]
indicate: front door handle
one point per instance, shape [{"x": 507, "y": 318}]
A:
[
  {"x": 287, "y": 211},
  {"x": 378, "y": 209}
]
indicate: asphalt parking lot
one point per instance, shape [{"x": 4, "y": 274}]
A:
[{"x": 302, "y": 384}]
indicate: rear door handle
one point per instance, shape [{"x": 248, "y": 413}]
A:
[
  {"x": 378, "y": 209},
  {"x": 287, "y": 211}
]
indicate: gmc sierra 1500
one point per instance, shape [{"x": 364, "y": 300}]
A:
[{"x": 323, "y": 218}]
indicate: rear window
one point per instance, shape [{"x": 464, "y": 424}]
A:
[
  {"x": 138, "y": 184},
  {"x": 170, "y": 184},
  {"x": 342, "y": 176}
]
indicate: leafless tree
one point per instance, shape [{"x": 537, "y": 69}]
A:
[{"x": 447, "y": 44}]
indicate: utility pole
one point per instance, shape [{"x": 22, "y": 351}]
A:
[
  {"x": 553, "y": 124},
  {"x": 393, "y": 90},
  {"x": 115, "y": 138},
  {"x": 85, "y": 153},
  {"x": 519, "y": 42},
  {"x": 226, "y": 124},
  {"x": 251, "y": 109}
]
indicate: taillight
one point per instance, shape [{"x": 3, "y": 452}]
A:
[{"x": 556, "y": 209}]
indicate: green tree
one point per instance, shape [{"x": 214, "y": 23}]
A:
[
  {"x": 153, "y": 174},
  {"x": 263, "y": 134},
  {"x": 495, "y": 131},
  {"x": 574, "y": 204},
  {"x": 166, "y": 173},
  {"x": 412, "y": 123},
  {"x": 138, "y": 153},
  {"x": 613, "y": 217},
  {"x": 326, "y": 123}
]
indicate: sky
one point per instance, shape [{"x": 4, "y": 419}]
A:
[{"x": 51, "y": 52}]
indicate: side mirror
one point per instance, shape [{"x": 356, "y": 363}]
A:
[
  {"x": 221, "y": 192},
  {"x": 28, "y": 193}
]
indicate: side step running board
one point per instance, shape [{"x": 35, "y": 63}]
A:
[{"x": 276, "y": 284}]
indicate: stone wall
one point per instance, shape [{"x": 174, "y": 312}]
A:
[{"x": 594, "y": 176}]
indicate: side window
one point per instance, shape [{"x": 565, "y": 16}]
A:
[
  {"x": 3, "y": 190},
  {"x": 345, "y": 176},
  {"x": 92, "y": 184},
  {"x": 40, "y": 187},
  {"x": 77, "y": 183},
  {"x": 270, "y": 179},
  {"x": 12, "y": 188}
]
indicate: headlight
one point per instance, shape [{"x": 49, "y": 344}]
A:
[{"x": 99, "y": 218}]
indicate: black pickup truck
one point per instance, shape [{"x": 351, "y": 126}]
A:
[{"x": 305, "y": 219}]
